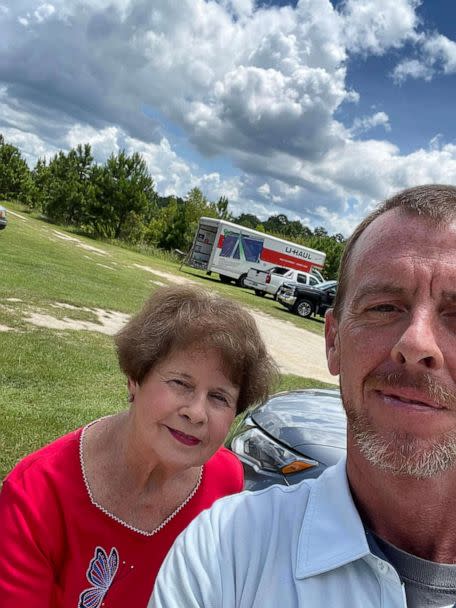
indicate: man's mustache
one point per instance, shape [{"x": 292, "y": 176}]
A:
[{"x": 428, "y": 385}]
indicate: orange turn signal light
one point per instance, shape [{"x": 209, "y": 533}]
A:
[{"x": 297, "y": 465}]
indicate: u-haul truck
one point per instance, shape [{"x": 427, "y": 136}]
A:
[{"x": 231, "y": 250}]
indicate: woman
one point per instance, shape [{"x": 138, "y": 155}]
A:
[{"x": 87, "y": 520}]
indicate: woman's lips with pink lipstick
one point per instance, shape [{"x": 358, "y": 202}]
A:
[{"x": 183, "y": 437}]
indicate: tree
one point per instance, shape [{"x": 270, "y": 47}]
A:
[
  {"x": 248, "y": 220},
  {"x": 167, "y": 229},
  {"x": 124, "y": 188},
  {"x": 221, "y": 209},
  {"x": 40, "y": 180},
  {"x": 295, "y": 229},
  {"x": 133, "y": 228},
  {"x": 65, "y": 186},
  {"x": 175, "y": 225},
  {"x": 15, "y": 178},
  {"x": 320, "y": 231},
  {"x": 276, "y": 224},
  {"x": 333, "y": 249}
]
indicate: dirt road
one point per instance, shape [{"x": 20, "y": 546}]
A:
[{"x": 296, "y": 350}]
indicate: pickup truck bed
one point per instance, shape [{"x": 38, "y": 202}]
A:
[{"x": 271, "y": 279}]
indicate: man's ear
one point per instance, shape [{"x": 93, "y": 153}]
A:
[{"x": 332, "y": 342}]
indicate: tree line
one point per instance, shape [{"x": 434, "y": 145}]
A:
[{"x": 118, "y": 200}]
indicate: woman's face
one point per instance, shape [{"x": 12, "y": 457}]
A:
[{"x": 184, "y": 407}]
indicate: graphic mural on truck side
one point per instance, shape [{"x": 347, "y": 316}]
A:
[
  {"x": 240, "y": 246},
  {"x": 247, "y": 248}
]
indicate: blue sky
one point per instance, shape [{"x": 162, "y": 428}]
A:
[{"x": 313, "y": 108}]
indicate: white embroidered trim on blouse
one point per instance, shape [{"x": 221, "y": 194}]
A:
[{"x": 118, "y": 519}]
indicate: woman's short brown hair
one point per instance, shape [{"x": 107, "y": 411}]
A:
[{"x": 180, "y": 317}]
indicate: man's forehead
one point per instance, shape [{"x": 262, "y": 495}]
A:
[
  {"x": 395, "y": 249},
  {"x": 396, "y": 232}
]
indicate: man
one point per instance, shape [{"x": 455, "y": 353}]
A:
[{"x": 378, "y": 530}]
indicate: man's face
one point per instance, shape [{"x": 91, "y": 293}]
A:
[{"x": 395, "y": 346}]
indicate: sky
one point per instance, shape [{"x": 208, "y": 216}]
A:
[{"x": 315, "y": 109}]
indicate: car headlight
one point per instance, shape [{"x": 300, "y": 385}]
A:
[{"x": 264, "y": 453}]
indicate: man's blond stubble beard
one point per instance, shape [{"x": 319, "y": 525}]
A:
[{"x": 402, "y": 453}]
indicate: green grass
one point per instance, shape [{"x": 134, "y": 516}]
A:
[{"x": 52, "y": 381}]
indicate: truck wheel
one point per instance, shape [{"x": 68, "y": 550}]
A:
[
  {"x": 224, "y": 278},
  {"x": 303, "y": 308},
  {"x": 260, "y": 293},
  {"x": 240, "y": 281}
]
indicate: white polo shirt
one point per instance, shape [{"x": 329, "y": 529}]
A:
[{"x": 302, "y": 546}]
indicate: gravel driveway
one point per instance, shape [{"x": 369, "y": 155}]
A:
[{"x": 297, "y": 351}]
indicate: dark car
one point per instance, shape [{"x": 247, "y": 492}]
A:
[
  {"x": 3, "y": 219},
  {"x": 293, "y": 436}
]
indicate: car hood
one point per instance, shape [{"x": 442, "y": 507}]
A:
[{"x": 302, "y": 418}]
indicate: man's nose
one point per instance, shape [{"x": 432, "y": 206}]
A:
[{"x": 418, "y": 344}]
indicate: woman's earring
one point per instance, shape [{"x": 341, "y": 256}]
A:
[{"x": 130, "y": 398}]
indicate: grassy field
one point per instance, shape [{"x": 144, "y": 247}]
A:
[{"x": 54, "y": 380}]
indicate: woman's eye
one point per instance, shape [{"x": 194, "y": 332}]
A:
[
  {"x": 178, "y": 382},
  {"x": 220, "y": 398}
]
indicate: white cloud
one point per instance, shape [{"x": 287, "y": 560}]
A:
[
  {"x": 264, "y": 189},
  {"x": 412, "y": 68},
  {"x": 104, "y": 142},
  {"x": 175, "y": 176},
  {"x": 375, "y": 26},
  {"x": 435, "y": 54},
  {"x": 239, "y": 8},
  {"x": 31, "y": 145},
  {"x": 366, "y": 123},
  {"x": 441, "y": 51},
  {"x": 436, "y": 142},
  {"x": 38, "y": 16},
  {"x": 43, "y": 12},
  {"x": 260, "y": 87},
  {"x": 373, "y": 170},
  {"x": 337, "y": 223}
]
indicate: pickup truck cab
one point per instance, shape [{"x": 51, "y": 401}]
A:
[
  {"x": 270, "y": 280},
  {"x": 305, "y": 300}
]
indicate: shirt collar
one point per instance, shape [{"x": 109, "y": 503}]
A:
[{"x": 332, "y": 533}]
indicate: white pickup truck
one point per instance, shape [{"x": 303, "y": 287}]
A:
[{"x": 269, "y": 280}]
